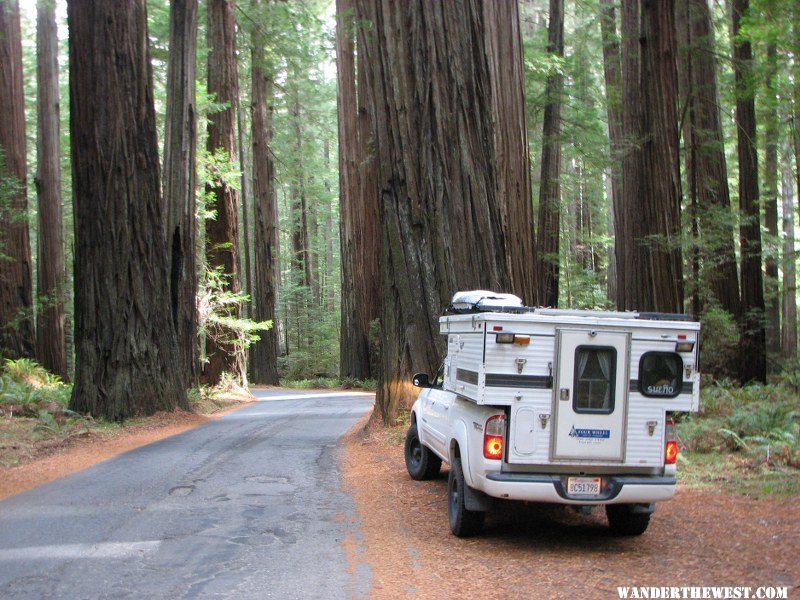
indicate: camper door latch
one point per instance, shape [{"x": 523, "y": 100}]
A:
[
  {"x": 564, "y": 394},
  {"x": 520, "y": 364},
  {"x": 543, "y": 419},
  {"x": 651, "y": 427}
]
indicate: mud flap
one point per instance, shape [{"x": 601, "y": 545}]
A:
[
  {"x": 643, "y": 509},
  {"x": 476, "y": 500}
]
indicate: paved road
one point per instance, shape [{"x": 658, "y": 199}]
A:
[{"x": 249, "y": 505}]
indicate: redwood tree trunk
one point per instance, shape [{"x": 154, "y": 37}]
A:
[
  {"x": 771, "y": 283},
  {"x": 264, "y": 353},
  {"x": 649, "y": 269},
  {"x": 613, "y": 81},
  {"x": 707, "y": 164},
  {"x": 180, "y": 181},
  {"x": 753, "y": 345},
  {"x": 16, "y": 286},
  {"x": 222, "y": 233},
  {"x": 357, "y": 200},
  {"x": 126, "y": 349},
  {"x": 503, "y": 40},
  {"x": 547, "y": 251},
  {"x": 50, "y": 338},
  {"x": 442, "y": 225},
  {"x": 789, "y": 304}
]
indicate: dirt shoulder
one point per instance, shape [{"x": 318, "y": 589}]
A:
[
  {"x": 47, "y": 459},
  {"x": 536, "y": 551}
]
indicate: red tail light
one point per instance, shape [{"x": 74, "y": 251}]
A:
[
  {"x": 493, "y": 435},
  {"x": 671, "y": 447}
]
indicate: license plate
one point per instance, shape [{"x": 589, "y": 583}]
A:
[{"x": 583, "y": 486}]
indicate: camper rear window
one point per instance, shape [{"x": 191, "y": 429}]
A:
[
  {"x": 660, "y": 374},
  {"x": 595, "y": 369}
]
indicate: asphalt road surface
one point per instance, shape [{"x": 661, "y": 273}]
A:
[{"x": 247, "y": 506}]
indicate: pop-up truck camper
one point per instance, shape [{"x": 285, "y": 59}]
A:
[{"x": 555, "y": 406}]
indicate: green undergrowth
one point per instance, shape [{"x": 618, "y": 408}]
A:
[
  {"x": 744, "y": 439},
  {"x": 330, "y": 383}
]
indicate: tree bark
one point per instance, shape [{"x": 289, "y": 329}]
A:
[
  {"x": 245, "y": 193},
  {"x": 357, "y": 200},
  {"x": 442, "y": 225},
  {"x": 222, "y": 233},
  {"x": 50, "y": 338},
  {"x": 264, "y": 353},
  {"x": 771, "y": 283},
  {"x": 126, "y": 349},
  {"x": 16, "y": 285},
  {"x": 707, "y": 166},
  {"x": 789, "y": 289},
  {"x": 547, "y": 251},
  {"x": 752, "y": 345},
  {"x": 504, "y": 52},
  {"x": 649, "y": 264},
  {"x": 180, "y": 182}
]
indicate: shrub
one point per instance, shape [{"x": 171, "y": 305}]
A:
[{"x": 719, "y": 343}]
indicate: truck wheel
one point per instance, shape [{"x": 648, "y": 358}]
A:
[
  {"x": 463, "y": 522},
  {"x": 624, "y": 521},
  {"x": 421, "y": 463}
]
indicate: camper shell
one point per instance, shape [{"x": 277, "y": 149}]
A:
[{"x": 584, "y": 397}]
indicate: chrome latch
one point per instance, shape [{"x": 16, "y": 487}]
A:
[
  {"x": 543, "y": 419},
  {"x": 520, "y": 362},
  {"x": 564, "y": 394},
  {"x": 651, "y": 427}
]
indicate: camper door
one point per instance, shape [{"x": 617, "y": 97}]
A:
[{"x": 590, "y": 395}]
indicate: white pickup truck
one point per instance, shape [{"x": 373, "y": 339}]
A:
[{"x": 556, "y": 406}]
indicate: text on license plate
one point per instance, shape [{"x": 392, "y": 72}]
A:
[{"x": 583, "y": 486}]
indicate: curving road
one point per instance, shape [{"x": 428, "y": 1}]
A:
[{"x": 246, "y": 506}]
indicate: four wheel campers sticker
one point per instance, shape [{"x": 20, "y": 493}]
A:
[{"x": 589, "y": 435}]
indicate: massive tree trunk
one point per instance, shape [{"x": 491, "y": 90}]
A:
[
  {"x": 264, "y": 353},
  {"x": 771, "y": 283},
  {"x": 706, "y": 161},
  {"x": 357, "y": 200},
  {"x": 547, "y": 251},
  {"x": 789, "y": 304},
  {"x": 613, "y": 81},
  {"x": 441, "y": 221},
  {"x": 180, "y": 181},
  {"x": 50, "y": 338},
  {"x": 752, "y": 346},
  {"x": 126, "y": 349},
  {"x": 649, "y": 269},
  {"x": 503, "y": 40},
  {"x": 16, "y": 285},
  {"x": 222, "y": 233}
]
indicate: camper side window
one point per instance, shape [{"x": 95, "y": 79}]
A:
[
  {"x": 660, "y": 374},
  {"x": 595, "y": 374}
]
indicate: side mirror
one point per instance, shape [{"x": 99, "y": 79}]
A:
[{"x": 421, "y": 380}]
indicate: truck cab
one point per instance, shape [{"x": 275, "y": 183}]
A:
[{"x": 545, "y": 405}]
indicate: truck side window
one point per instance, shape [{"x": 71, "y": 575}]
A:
[
  {"x": 660, "y": 374},
  {"x": 595, "y": 374}
]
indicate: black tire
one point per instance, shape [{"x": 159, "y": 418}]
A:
[
  {"x": 463, "y": 522},
  {"x": 421, "y": 463},
  {"x": 624, "y": 521}
]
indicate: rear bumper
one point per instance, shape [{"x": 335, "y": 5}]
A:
[{"x": 533, "y": 487}]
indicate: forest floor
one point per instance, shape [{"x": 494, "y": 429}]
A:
[
  {"x": 33, "y": 452},
  {"x": 709, "y": 536}
]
